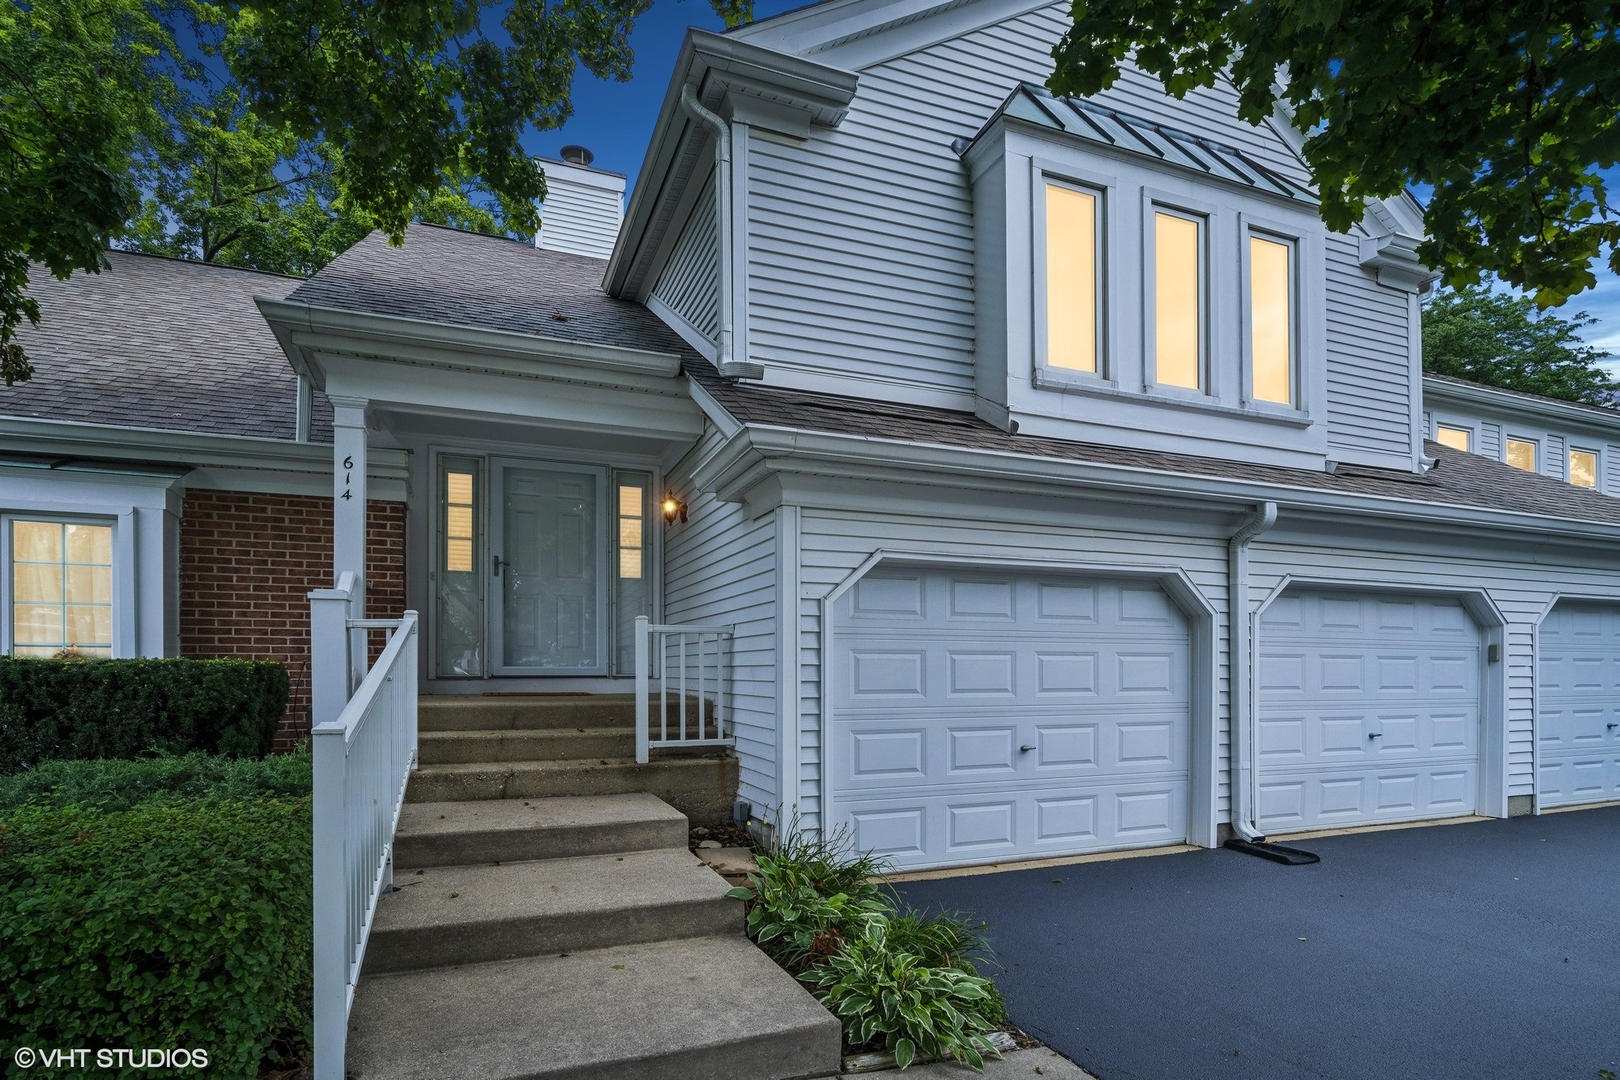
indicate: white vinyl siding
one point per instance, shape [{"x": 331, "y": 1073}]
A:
[
  {"x": 1369, "y": 391},
  {"x": 690, "y": 282},
  {"x": 720, "y": 567}
]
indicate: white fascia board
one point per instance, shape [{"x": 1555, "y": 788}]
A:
[
  {"x": 757, "y": 451},
  {"x": 583, "y": 175},
  {"x": 739, "y": 67},
  {"x": 312, "y": 329},
  {"x": 1437, "y": 390},
  {"x": 183, "y": 449},
  {"x": 853, "y": 28},
  {"x": 713, "y": 411}
]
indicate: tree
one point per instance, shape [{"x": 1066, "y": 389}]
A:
[
  {"x": 230, "y": 188},
  {"x": 1509, "y": 109},
  {"x": 1503, "y": 339},
  {"x": 405, "y": 101}
]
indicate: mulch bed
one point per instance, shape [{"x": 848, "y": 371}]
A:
[{"x": 728, "y": 835}]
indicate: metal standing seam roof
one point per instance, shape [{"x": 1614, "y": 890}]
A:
[{"x": 1121, "y": 131}]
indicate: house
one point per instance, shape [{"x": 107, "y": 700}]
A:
[
  {"x": 1056, "y": 481},
  {"x": 1567, "y": 440}
]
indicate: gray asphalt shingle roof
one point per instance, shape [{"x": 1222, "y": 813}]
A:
[
  {"x": 157, "y": 343},
  {"x": 465, "y": 279}
]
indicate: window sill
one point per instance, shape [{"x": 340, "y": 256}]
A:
[{"x": 1063, "y": 382}]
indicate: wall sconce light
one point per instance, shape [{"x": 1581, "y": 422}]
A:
[{"x": 673, "y": 508}]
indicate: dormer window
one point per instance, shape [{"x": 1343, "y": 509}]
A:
[
  {"x": 1179, "y": 288},
  {"x": 1583, "y": 468},
  {"x": 1458, "y": 438},
  {"x": 1521, "y": 454},
  {"x": 1271, "y": 320},
  {"x": 1071, "y": 278}
]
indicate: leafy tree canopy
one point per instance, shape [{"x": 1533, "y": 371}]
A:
[
  {"x": 1509, "y": 109},
  {"x": 1503, "y": 339},
  {"x": 332, "y": 117}
]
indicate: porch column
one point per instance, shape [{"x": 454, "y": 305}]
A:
[{"x": 349, "y": 515}]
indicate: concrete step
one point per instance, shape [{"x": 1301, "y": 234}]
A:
[
  {"x": 702, "y": 788},
  {"x": 504, "y": 712},
  {"x": 521, "y": 830},
  {"x": 695, "y": 1009},
  {"x": 524, "y": 744},
  {"x": 447, "y": 915}
]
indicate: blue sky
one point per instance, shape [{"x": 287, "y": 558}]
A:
[{"x": 615, "y": 120}]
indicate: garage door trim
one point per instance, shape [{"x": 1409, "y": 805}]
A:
[
  {"x": 1535, "y": 717},
  {"x": 1203, "y": 676},
  {"x": 1491, "y": 800}
]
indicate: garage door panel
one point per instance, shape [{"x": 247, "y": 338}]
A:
[
  {"x": 1578, "y": 705},
  {"x": 1368, "y": 710},
  {"x": 942, "y": 679}
]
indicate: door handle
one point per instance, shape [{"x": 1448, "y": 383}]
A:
[
  {"x": 1375, "y": 735},
  {"x": 1025, "y": 749},
  {"x": 497, "y": 562},
  {"x": 1613, "y": 726}
]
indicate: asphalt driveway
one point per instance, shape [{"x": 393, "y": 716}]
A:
[{"x": 1471, "y": 951}]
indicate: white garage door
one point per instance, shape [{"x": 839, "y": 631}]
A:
[
  {"x": 981, "y": 717},
  {"x": 1578, "y": 721},
  {"x": 1368, "y": 710}
]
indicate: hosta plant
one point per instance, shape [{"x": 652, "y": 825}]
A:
[
  {"x": 806, "y": 899},
  {"x": 893, "y": 998}
]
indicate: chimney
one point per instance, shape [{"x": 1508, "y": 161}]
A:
[{"x": 583, "y": 206}]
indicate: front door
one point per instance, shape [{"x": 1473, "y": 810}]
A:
[{"x": 548, "y": 560}]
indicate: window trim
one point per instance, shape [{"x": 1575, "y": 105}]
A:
[
  {"x": 1570, "y": 450},
  {"x": 1535, "y": 446},
  {"x": 1251, "y": 227},
  {"x": 1466, "y": 429},
  {"x": 120, "y": 632},
  {"x": 1207, "y": 216},
  {"x": 1106, "y": 190}
]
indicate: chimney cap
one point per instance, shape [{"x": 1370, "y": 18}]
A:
[{"x": 577, "y": 155}]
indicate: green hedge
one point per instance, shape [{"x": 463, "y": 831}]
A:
[
  {"x": 159, "y": 926},
  {"x": 53, "y": 709},
  {"x": 110, "y": 785}
]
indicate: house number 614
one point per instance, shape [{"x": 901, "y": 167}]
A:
[{"x": 348, "y": 463}]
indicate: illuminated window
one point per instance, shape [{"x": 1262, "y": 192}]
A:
[
  {"x": 61, "y": 588},
  {"x": 1457, "y": 438},
  {"x": 458, "y": 522},
  {"x": 1071, "y": 278},
  {"x": 1178, "y": 303},
  {"x": 631, "y": 539},
  {"x": 1271, "y": 321},
  {"x": 1521, "y": 454},
  {"x": 1583, "y": 468}
]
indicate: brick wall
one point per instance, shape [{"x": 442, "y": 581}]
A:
[{"x": 247, "y": 564}]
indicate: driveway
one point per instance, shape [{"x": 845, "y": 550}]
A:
[{"x": 1470, "y": 951}]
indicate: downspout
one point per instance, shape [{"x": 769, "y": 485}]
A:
[
  {"x": 1240, "y": 660},
  {"x": 729, "y": 366}
]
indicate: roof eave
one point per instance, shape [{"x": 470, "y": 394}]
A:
[{"x": 1507, "y": 401}]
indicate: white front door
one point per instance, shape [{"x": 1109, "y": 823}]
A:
[
  {"x": 549, "y": 554},
  {"x": 980, "y": 716},
  {"x": 1578, "y": 706},
  {"x": 1369, "y": 710}
]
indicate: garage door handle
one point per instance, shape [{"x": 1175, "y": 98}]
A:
[
  {"x": 1375, "y": 735},
  {"x": 1613, "y": 726},
  {"x": 1027, "y": 749}
]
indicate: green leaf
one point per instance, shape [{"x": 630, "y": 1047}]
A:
[{"x": 905, "y": 1051}]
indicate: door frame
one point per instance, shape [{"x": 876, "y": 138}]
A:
[
  {"x": 1490, "y": 796},
  {"x": 495, "y": 546},
  {"x": 487, "y": 452},
  {"x": 1202, "y": 672}
]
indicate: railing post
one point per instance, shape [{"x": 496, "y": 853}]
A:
[
  {"x": 329, "y": 693},
  {"x": 642, "y": 689}
]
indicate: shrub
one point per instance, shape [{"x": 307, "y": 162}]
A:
[
  {"x": 70, "y": 708},
  {"x": 162, "y": 925},
  {"x": 111, "y": 785},
  {"x": 897, "y": 978},
  {"x": 884, "y": 994}
]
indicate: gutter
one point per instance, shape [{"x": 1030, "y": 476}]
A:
[
  {"x": 1241, "y": 660},
  {"x": 728, "y": 365}
]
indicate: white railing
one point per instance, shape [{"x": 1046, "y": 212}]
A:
[
  {"x": 363, "y": 757},
  {"x": 692, "y": 663}
]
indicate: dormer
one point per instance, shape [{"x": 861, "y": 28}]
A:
[{"x": 1141, "y": 286}]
